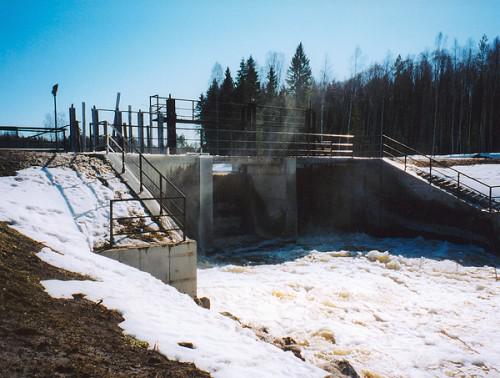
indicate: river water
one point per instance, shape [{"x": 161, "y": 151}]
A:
[{"x": 393, "y": 307}]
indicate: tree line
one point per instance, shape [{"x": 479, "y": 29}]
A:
[{"x": 441, "y": 101}]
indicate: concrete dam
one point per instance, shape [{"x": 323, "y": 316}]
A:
[{"x": 231, "y": 200}]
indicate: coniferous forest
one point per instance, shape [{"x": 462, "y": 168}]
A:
[{"x": 442, "y": 101}]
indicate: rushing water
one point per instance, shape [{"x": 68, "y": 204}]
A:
[{"x": 396, "y": 307}]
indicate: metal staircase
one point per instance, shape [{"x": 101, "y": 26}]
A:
[
  {"x": 469, "y": 189},
  {"x": 157, "y": 194}
]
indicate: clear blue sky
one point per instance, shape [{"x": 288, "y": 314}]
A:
[{"x": 95, "y": 48}]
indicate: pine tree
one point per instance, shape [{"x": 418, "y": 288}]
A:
[{"x": 299, "y": 77}]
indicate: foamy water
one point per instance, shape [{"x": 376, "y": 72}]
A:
[{"x": 393, "y": 307}]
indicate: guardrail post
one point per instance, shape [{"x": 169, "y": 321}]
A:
[
  {"x": 140, "y": 172},
  {"x": 95, "y": 128},
  {"x": 159, "y": 121},
  {"x": 111, "y": 223},
  {"x": 161, "y": 196},
  {"x": 171, "y": 126},
  {"x": 405, "y": 161},
  {"x": 123, "y": 149},
  {"x": 64, "y": 139},
  {"x": 184, "y": 219},
  {"x": 130, "y": 132},
  {"x": 458, "y": 181},
  {"x": 490, "y": 202},
  {"x": 125, "y": 138},
  {"x": 430, "y": 169},
  {"x": 140, "y": 125}
]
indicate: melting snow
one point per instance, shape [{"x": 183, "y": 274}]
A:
[{"x": 68, "y": 213}]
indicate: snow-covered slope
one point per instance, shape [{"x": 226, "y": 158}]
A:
[
  {"x": 394, "y": 315},
  {"x": 67, "y": 212}
]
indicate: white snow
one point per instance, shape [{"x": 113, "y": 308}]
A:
[
  {"x": 488, "y": 174},
  {"x": 67, "y": 213},
  {"x": 388, "y": 314},
  {"x": 480, "y": 176}
]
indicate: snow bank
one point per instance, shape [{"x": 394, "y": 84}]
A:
[
  {"x": 387, "y": 314},
  {"x": 68, "y": 213}
]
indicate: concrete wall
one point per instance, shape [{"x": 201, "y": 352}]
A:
[
  {"x": 371, "y": 195},
  {"x": 192, "y": 175},
  {"x": 279, "y": 197},
  {"x": 174, "y": 264},
  {"x": 263, "y": 191}
]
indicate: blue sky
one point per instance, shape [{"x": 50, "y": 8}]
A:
[{"x": 94, "y": 49}]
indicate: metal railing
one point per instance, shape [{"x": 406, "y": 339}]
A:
[
  {"x": 437, "y": 173},
  {"x": 33, "y": 138},
  {"x": 147, "y": 136},
  {"x": 135, "y": 230},
  {"x": 271, "y": 143},
  {"x": 171, "y": 200}
]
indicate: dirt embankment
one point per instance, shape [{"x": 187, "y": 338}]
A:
[{"x": 45, "y": 337}]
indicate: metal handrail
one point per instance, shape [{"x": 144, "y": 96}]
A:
[
  {"x": 112, "y": 234},
  {"x": 163, "y": 180},
  {"x": 437, "y": 163},
  {"x": 40, "y": 131}
]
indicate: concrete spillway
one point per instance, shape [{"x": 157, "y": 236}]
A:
[{"x": 259, "y": 197}]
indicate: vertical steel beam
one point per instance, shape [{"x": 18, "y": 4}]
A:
[
  {"x": 140, "y": 126},
  {"x": 171, "y": 126},
  {"x": 95, "y": 128}
]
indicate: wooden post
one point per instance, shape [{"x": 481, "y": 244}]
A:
[
  {"x": 84, "y": 129},
  {"x": 95, "y": 128},
  {"x": 73, "y": 129},
  {"x": 171, "y": 126},
  {"x": 140, "y": 125}
]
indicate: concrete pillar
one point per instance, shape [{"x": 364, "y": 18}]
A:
[
  {"x": 206, "y": 214},
  {"x": 291, "y": 221}
]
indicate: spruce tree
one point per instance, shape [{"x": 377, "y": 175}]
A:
[
  {"x": 227, "y": 87},
  {"x": 252, "y": 81},
  {"x": 272, "y": 85},
  {"x": 299, "y": 77},
  {"x": 226, "y": 111},
  {"x": 240, "y": 86}
]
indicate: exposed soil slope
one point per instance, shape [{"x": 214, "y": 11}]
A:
[{"x": 41, "y": 336}]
